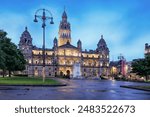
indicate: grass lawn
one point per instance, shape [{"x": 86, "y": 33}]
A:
[{"x": 27, "y": 81}]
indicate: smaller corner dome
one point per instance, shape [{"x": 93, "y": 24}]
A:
[
  {"x": 64, "y": 15},
  {"x": 26, "y": 32},
  {"x": 102, "y": 41},
  {"x": 79, "y": 41},
  {"x": 26, "y": 37},
  {"x": 55, "y": 39}
]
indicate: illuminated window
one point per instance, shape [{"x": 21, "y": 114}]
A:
[
  {"x": 101, "y": 64},
  {"x": 107, "y": 64},
  {"x": 29, "y": 61}
]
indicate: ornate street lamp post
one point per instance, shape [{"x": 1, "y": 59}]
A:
[{"x": 43, "y": 17}]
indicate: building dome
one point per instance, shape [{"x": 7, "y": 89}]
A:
[
  {"x": 102, "y": 45},
  {"x": 55, "y": 39},
  {"x": 79, "y": 41},
  {"x": 26, "y": 37},
  {"x": 102, "y": 41}
]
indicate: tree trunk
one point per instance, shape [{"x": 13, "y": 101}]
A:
[
  {"x": 146, "y": 77},
  {"x": 3, "y": 73},
  {"x": 9, "y": 73}
]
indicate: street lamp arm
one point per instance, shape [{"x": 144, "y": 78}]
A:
[
  {"x": 43, "y": 17},
  {"x": 49, "y": 12},
  {"x": 43, "y": 10},
  {"x": 38, "y": 16},
  {"x": 49, "y": 17},
  {"x": 38, "y": 11}
]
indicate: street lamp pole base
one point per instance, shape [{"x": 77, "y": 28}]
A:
[{"x": 43, "y": 74}]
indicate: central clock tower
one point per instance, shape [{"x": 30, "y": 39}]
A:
[{"x": 64, "y": 33}]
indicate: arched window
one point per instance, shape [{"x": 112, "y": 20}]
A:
[
  {"x": 49, "y": 73},
  {"x": 25, "y": 40}
]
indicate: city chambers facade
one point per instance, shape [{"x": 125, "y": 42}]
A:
[{"x": 61, "y": 58}]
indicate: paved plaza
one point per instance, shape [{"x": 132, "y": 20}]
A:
[{"x": 77, "y": 90}]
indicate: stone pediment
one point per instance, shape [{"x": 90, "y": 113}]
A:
[{"x": 68, "y": 45}]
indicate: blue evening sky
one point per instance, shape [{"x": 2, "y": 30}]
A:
[{"x": 125, "y": 24}]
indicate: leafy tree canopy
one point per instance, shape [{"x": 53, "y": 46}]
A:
[
  {"x": 142, "y": 66},
  {"x": 11, "y": 58}
]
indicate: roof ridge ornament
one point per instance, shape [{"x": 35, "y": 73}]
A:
[
  {"x": 68, "y": 42},
  {"x": 101, "y": 36},
  {"x": 26, "y": 28}
]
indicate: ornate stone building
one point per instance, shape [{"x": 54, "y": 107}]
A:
[{"x": 63, "y": 55}]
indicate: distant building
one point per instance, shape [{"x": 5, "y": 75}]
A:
[
  {"x": 61, "y": 58},
  {"x": 147, "y": 49},
  {"x": 114, "y": 67},
  {"x": 125, "y": 68},
  {"x": 119, "y": 67}
]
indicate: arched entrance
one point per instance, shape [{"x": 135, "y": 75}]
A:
[
  {"x": 61, "y": 73},
  {"x": 55, "y": 74},
  {"x": 36, "y": 73},
  {"x": 68, "y": 74}
]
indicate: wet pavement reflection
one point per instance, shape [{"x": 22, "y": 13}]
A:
[{"x": 76, "y": 90}]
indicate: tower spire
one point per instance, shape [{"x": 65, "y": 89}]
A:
[
  {"x": 64, "y": 15},
  {"x": 64, "y": 8}
]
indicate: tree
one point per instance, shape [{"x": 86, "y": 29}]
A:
[
  {"x": 147, "y": 58},
  {"x": 2, "y": 54},
  {"x": 12, "y": 58},
  {"x": 2, "y": 61},
  {"x": 20, "y": 63},
  {"x": 142, "y": 67}
]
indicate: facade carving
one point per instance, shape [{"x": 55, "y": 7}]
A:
[{"x": 61, "y": 58}]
